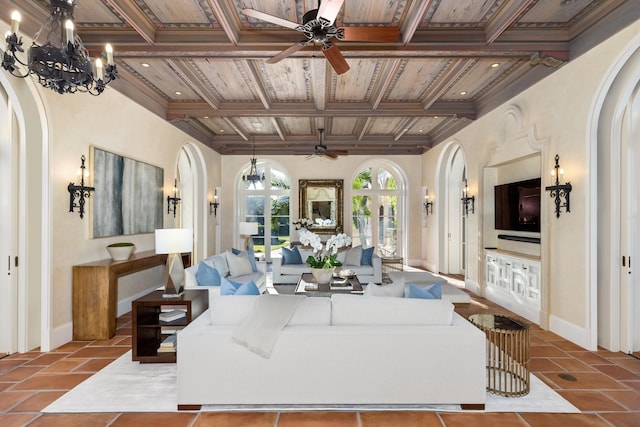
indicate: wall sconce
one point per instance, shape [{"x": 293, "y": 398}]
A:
[
  {"x": 466, "y": 199},
  {"x": 213, "y": 206},
  {"x": 559, "y": 191},
  {"x": 81, "y": 191},
  {"x": 428, "y": 205},
  {"x": 173, "y": 201}
]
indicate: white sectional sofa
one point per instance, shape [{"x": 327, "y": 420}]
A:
[
  {"x": 221, "y": 264},
  {"x": 341, "y": 350},
  {"x": 290, "y": 273}
]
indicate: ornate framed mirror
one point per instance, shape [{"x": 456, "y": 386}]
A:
[{"x": 321, "y": 200}]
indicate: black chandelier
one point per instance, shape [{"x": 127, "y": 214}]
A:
[
  {"x": 59, "y": 60},
  {"x": 253, "y": 176}
]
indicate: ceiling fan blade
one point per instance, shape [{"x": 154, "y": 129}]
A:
[
  {"x": 328, "y": 11},
  {"x": 331, "y": 156},
  {"x": 287, "y": 52},
  {"x": 335, "y": 58},
  {"x": 370, "y": 34},
  {"x": 270, "y": 18}
]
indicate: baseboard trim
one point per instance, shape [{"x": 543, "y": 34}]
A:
[
  {"x": 571, "y": 332},
  {"x": 61, "y": 335},
  {"x": 472, "y": 285}
]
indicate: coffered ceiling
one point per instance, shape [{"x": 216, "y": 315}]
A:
[{"x": 202, "y": 65}]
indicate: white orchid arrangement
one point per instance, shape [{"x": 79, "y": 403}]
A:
[
  {"x": 303, "y": 223},
  {"x": 326, "y": 258}
]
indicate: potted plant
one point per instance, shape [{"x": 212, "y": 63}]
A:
[
  {"x": 121, "y": 251},
  {"x": 323, "y": 262}
]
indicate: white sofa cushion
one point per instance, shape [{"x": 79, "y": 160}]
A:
[
  {"x": 394, "y": 289},
  {"x": 233, "y": 310},
  {"x": 239, "y": 265},
  {"x": 349, "y": 309},
  {"x": 353, "y": 256},
  {"x": 220, "y": 263}
]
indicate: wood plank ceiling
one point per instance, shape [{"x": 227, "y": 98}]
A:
[{"x": 201, "y": 64}]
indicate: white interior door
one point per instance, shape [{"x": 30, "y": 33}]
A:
[
  {"x": 454, "y": 233},
  {"x": 8, "y": 229}
]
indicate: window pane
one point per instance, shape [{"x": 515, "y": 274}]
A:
[
  {"x": 279, "y": 181},
  {"x": 279, "y": 222},
  {"x": 363, "y": 180},
  {"x": 362, "y": 232},
  {"x": 254, "y": 209},
  {"x": 387, "y": 225},
  {"x": 386, "y": 180}
]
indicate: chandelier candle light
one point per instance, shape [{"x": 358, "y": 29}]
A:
[{"x": 59, "y": 60}]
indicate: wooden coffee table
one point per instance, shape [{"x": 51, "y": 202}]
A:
[{"x": 308, "y": 286}]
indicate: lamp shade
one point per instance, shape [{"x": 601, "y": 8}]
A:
[
  {"x": 248, "y": 228},
  {"x": 174, "y": 240}
]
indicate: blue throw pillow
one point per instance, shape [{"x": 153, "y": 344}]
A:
[
  {"x": 367, "y": 256},
  {"x": 230, "y": 287},
  {"x": 429, "y": 292},
  {"x": 291, "y": 256},
  {"x": 252, "y": 257},
  {"x": 207, "y": 275}
]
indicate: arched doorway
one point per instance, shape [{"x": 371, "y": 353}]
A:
[
  {"x": 452, "y": 227},
  {"x": 26, "y": 312},
  {"x": 616, "y": 283}
]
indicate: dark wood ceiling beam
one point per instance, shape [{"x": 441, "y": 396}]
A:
[
  {"x": 257, "y": 84},
  {"x": 404, "y": 127},
  {"x": 319, "y": 88},
  {"x": 136, "y": 18},
  {"x": 194, "y": 81},
  {"x": 232, "y": 124},
  {"x": 385, "y": 79},
  {"x": 278, "y": 128},
  {"x": 504, "y": 18},
  {"x": 413, "y": 19},
  {"x": 446, "y": 80},
  {"x": 136, "y": 90},
  {"x": 222, "y": 16},
  {"x": 364, "y": 128},
  {"x": 605, "y": 8},
  {"x": 440, "y": 108}
]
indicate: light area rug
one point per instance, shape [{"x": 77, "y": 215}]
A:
[{"x": 126, "y": 386}]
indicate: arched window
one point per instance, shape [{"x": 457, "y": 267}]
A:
[
  {"x": 377, "y": 199},
  {"x": 274, "y": 193}
]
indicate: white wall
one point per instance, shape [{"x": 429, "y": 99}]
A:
[{"x": 557, "y": 110}]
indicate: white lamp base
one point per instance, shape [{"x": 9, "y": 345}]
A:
[{"x": 174, "y": 277}]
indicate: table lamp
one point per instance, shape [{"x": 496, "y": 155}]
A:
[
  {"x": 247, "y": 229},
  {"x": 174, "y": 241}
]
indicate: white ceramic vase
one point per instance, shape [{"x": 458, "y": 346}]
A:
[
  {"x": 120, "y": 253},
  {"x": 322, "y": 275}
]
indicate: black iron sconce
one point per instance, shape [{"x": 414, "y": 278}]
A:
[
  {"x": 559, "y": 191},
  {"x": 466, "y": 199},
  {"x": 81, "y": 191},
  {"x": 428, "y": 205},
  {"x": 213, "y": 206},
  {"x": 172, "y": 202}
]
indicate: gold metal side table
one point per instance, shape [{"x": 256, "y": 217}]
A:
[{"x": 508, "y": 341}]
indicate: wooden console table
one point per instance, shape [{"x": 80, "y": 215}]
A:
[{"x": 95, "y": 293}]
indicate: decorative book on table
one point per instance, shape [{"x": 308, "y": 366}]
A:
[
  {"x": 170, "y": 316},
  {"x": 168, "y": 345}
]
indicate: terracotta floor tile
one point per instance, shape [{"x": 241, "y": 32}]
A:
[
  {"x": 51, "y": 382},
  {"x": 546, "y": 335},
  {"x": 564, "y": 420},
  {"x": 629, "y": 363},
  {"x": 313, "y": 419},
  {"x": 542, "y": 364},
  {"x": 89, "y": 352},
  {"x": 125, "y": 341},
  {"x": 4, "y": 386},
  {"x": 588, "y": 380},
  {"x": 623, "y": 419},
  {"x": 71, "y": 346},
  {"x": 106, "y": 343},
  {"x": 38, "y": 401},
  {"x": 236, "y": 419},
  {"x": 570, "y": 364},
  {"x": 634, "y": 385},
  {"x": 93, "y": 365},
  {"x": 617, "y": 372},
  {"x": 547, "y": 351},
  {"x": 46, "y": 359},
  {"x": 590, "y": 358},
  {"x": 64, "y": 365},
  {"x": 172, "y": 419},
  {"x": 16, "y": 420},
  {"x": 124, "y": 331},
  {"x": 404, "y": 419},
  {"x": 628, "y": 399},
  {"x": 74, "y": 420},
  {"x": 482, "y": 419},
  {"x": 9, "y": 399},
  {"x": 590, "y": 401},
  {"x": 567, "y": 346},
  {"x": 24, "y": 356},
  {"x": 20, "y": 373},
  {"x": 7, "y": 365}
]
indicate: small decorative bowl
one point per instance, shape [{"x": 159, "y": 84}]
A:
[{"x": 347, "y": 274}]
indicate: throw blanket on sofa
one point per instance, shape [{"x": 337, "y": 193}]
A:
[{"x": 259, "y": 332}]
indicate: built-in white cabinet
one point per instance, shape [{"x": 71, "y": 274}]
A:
[{"x": 513, "y": 282}]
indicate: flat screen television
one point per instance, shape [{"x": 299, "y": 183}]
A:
[{"x": 518, "y": 206}]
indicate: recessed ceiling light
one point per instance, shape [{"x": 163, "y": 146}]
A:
[
  {"x": 436, "y": 117},
  {"x": 495, "y": 65},
  {"x": 420, "y": 130},
  {"x": 178, "y": 92},
  {"x": 464, "y": 92},
  {"x": 206, "y": 117},
  {"x": 145, "y": 65}
]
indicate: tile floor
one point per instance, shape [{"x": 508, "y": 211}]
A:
[{"x": 606, "y": 389}]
